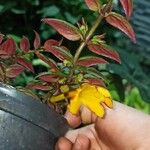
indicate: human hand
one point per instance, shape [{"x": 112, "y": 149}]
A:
[{"x": 123, "y": 128}]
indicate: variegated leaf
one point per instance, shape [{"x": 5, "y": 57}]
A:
[
  {"x": 62, "y": 54},
  {"x": 25, "y": 44},
  {"x": 95, "y": 81},
  {"x": 59, "y": 52},
  {"x": 50, "y": 43},
  {"x": 39, "y": 86},
  {"x": 104, "y": 50},
  {"x": 64, "y": 28},
  {"x": 49, "y": 78},
  {"x": 8, "y": 47},
  {"x": 93, "y": 4},
  {"x": 14, "y": 70},
  {"x": 37, "y": 40},
  {"x": 127, "y": 6},
  {"x": 25, "y": 63},
  {"x": 91, "y": 61},
  {"x": 122, "y": 24},
  {"x": 47, "y": 60}
]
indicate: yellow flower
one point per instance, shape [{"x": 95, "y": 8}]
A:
[
  {"x": 87, "y": 95},
  {"x": 90, "y": 96}
]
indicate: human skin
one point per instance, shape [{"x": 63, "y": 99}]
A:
[{"x": 122, "y": 128}]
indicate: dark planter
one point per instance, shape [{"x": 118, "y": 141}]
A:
[{"x": 27, "y": 124}]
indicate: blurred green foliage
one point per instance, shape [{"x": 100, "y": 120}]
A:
[
  {"x": 20, "y": 17},
  {"x": 131, "y": 70},
  {"x": 133, "y": 99}
]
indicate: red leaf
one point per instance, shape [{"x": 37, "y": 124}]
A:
[
  {"x": 1, "y": 38},
  {"x": 8, "y": 47},
  {"x": 93, "y": 4},
  {"x": 64, "y": 28},
  {"x": 2, "y": 52},
  {"x": 37, "y": 40},
  {"x": 50, "y": 43},
  {"x": 39, "y": 86},
  {"x": 14, "y": 70},
  {"x": 49, "y": 78},
  {"x": 91, "y": 61},
  {"x": 59, "y": 52},
  {"x": 127, "y": 6},
  {"x": 95, "y": 81},
  {"x": 25, "y": 63},
  {"x": 62, "y": 54},
  {"x": 25, "y": 44},
  {"x": 121, "y": 23},
  {"x": 104, "y": 50},
  {"x": 49, "y": 61}
]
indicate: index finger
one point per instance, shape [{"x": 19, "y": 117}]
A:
[{"x": 85, "y": 116}]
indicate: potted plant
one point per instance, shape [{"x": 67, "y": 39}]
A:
[
  {"x": 71, "y": 82},
  {"x": 25, "y": 122}
]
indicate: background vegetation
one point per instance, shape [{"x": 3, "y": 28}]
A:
[{"x": 130, "y": 82}]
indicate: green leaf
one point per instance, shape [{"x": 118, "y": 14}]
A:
[
  {"x": 50, "y": 11},
  {"x": 92, "y": 72},
  {"x": 18, "y": 11},
  {"x": 118, "y": 86},
  {"x": 71, "y": 18},
  {"x": 131, "y": 70}
]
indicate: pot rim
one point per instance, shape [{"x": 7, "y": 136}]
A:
[{"x": 31, "y": 110}]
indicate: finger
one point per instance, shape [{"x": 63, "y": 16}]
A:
[
  {"x": 81, "y": 143},
  {"x": 63, "y": 144},
  {"x": 85, "y": 117},
  {"x": 86, "y": 131},
  {"x": 73, "y": 120},
  {"x": 117, "y": 121}
]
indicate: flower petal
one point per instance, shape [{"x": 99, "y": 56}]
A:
[
  {"x": 104, "y": 92},
  {"x": 108, "y": 102},
  {"x": 90, "y": 96},
  {"x": 97, "y": 109},
  {"x": 72, "y": 94},
  {"x": 74, "y": 105},
  {"x": 89, "y": 93}
]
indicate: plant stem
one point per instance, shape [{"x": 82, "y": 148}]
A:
[{"x": 83, "y": 44}]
